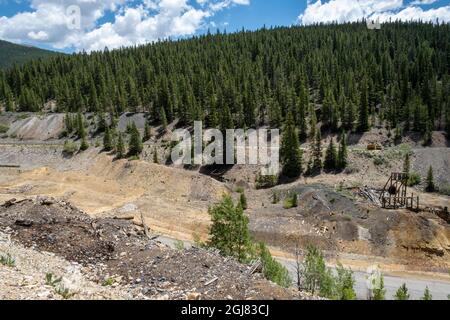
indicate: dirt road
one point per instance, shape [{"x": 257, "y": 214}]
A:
[{"x": 439, "y": 289}]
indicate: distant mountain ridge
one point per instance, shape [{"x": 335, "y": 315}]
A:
[{"x": 11, "y": 53}]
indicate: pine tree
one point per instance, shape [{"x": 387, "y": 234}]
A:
[
  {"x": 312, "y": 124},
  {"x": 317, "y": 154},
  {"x": 155, "y": 156},
  {"x": 427, "y": 294},
  {"x": 342, "y": 153},
  {"x": 120, "y": 148},
  {"x": 107, "y": 140},
  {"x": 402, "y": 293},
  {"x": 135, "y": 145},
  {"x": 272, "y": 269},
  {"x": 243, "y": 201},
  {"x": 9, "y": 103},
  {"x": 81, "y": 131},
  {"x": 147, "y": 132},
  {"x": 363, "y": 120},
  {"x": 229, "y": 231},
  {"x": 330, "y": 162},
  {"x": 291, "y": 155},
  {"x": 84, "y": 144},
  {"x": 430, "y": 187},
  {"x": 379, "y": 293}
]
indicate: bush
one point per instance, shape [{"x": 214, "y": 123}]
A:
[
  {"x": 414, "y": 179},
  {"x": 7, "y": 260},
  {"x": 3, "y": 128},
  {"x": 266, "y": 182},
  {"x": 445, "y": 189},
  {"x": 275, "y": 197},
  {"x": 379, "y": 161},
  {"x": 179, "y": 245},
  {"x": 70, "y": 147},
  {"x": 291, "y": 202}
]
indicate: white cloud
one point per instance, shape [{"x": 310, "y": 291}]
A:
[
  {"x": 351, "y": 10},
  {"x": 423, "y": 2},
  {"x": 149, "y": 21}
]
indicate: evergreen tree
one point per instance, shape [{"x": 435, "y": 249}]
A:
[
  {"x": 291, "y": 155},
  {"x": 81, "y": 131},
  {"x": 427, "y": 295},
  {"x": 243, "y": 201},
  {"x": 107, "y": 140},
  {"x": 402, "y": 293},
  {"x": 430, "y": 186},
  {"x": 342, "y": 153},
  {"x": 312, "y": 124},
  {"x": 147, "y": 132},
  {"x": 272, "y": 269},
  {"x": 120, "y": 148},
  {"x": 155, "y": 156},
  {"x": 379, "y": 292},
  {"x": 84, "y": 144},
  {"x": 344, "y": 283},
  {"x": 135, "y": 145},
  {"x": 330, "y": 162},
  {"x": 363, "y": 119},
  {"x": 317, "y": 154},
  {"x": 229, "y": 231}
]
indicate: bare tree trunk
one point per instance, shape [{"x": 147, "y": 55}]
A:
[{"x": 298, "y": 266}]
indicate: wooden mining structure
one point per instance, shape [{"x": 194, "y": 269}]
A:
[{"x": 394, "y": 195}]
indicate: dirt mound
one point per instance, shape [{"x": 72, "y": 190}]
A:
[
  {"x": 340, "y": 222},
  {"x": 118, "y": 249}
]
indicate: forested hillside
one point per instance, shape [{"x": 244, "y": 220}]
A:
[
  {"x": 337, "y": 76},
  {"x": 11, "y": 53}
]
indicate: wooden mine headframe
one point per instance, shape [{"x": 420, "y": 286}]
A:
[{"x": 394, "y": 193}]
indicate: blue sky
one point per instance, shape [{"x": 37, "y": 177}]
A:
[{"x": 75, "y": 25}]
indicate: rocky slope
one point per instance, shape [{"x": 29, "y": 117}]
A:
[{"x": 111, "y": 259}]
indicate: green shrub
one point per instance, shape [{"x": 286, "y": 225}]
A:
[
  {"x": 108, "y": 282},
  {"x": 379, "y": 161},
  {"x": 414, "y": 179},
  {"x": 51, "y": 280},
  {"x": 240, "y": 190},
  {"x": 291, "y": 201},
  {"x": 179, "y": 245},
  {"x": 7, "y": 260},
  {"x": 275, "y": 197},
  {"x": 70, "y": 147},
  {"x": 266, "y": 182},
  {"x": 23, "y": 116},
  {"x": 445, "y": 189},
  {"x": 3, "y": 128}
]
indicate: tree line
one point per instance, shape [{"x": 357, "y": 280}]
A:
[{"x": 331, "y": 77}]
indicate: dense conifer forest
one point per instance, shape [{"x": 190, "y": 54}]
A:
[
  {"x": 330, "y": 76},
  {"x": 11, "y": 53}
]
